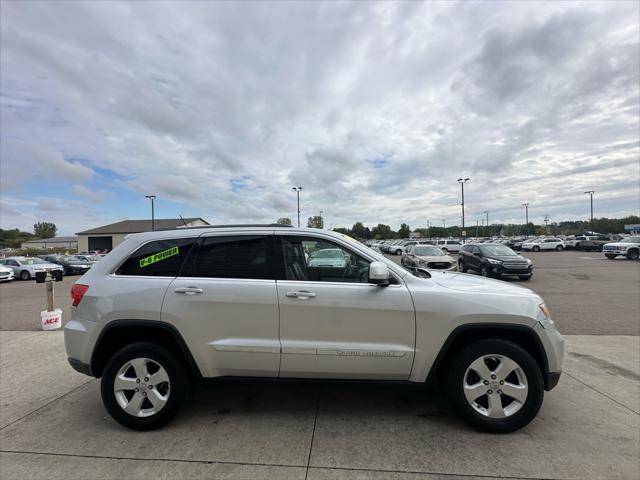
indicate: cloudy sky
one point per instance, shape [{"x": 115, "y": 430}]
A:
[{"x": 375, "y": 109}]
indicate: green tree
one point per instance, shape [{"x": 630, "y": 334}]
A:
[
  {"x": 404, "y": 231},
  {"x": 44, "y": 230},
  {"x": 315, "y": 222},
  {"x": 284, "y": 221},
  {"x": 381, "y": 232},
  {"x": 359, "y": 231}
]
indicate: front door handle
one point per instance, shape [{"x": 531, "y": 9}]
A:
[
  {"x": 301, "y": 294},
  {"x": 189, "y": 290}
]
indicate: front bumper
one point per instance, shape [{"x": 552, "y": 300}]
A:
[
  {"x": 616, "y": 251},
  {"x": 502, "y": 270}
]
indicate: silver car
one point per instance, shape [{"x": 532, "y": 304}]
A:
[
  {"x": 6, "y": 274},
  {"x": 26, "y": 268},
  {"x": 427, "y": 256},
  {"x": 167, "y": 308}
]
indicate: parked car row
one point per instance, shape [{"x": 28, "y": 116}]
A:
[{"x": 26, "y": 268}]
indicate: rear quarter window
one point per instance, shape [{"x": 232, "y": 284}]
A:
[{"x": 161, "y": 258}]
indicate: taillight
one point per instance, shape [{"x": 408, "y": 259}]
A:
[{"x": 77, "y": 292}]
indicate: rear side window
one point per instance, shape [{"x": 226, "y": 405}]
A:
[
  {"x": 162, "y": 258},
  {"x": 232, "y": 257}
]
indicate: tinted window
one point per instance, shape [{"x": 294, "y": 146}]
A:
[
  {"x": 318, "y": 260},
  {"x": 232, "y": 257},
  {"x": 162, "y": 258}
]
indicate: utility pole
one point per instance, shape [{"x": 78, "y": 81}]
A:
[
  {"x": 298, "y": 190},
  {"x": 526, "y": 213},
  {"x": 321, "y": 212},
  {"x": 591, "y": 192},
  {"x": 462, "y": 181},
  {"x": 486, "y": 212},
  {"x": 546, "y": 222},
  {"x": 153, "y": 219},
  {"x": 476, "y": 228}
]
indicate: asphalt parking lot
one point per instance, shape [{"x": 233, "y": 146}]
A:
[{"x": 53, "y": 424}]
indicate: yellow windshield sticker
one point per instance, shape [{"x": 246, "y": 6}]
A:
[{"x": 156, "y": 257}]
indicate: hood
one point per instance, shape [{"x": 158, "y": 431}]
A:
[
  {"x": 464, "y": 282},
  {"x": 5, "y": 269},
  {"x": 509, "y": 258}
]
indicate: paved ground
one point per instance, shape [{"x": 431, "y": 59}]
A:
[{"x": 54, "y": 426}]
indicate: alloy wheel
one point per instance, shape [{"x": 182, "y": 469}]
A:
[
  {"x": 142, "y": 387},
  {"x": 495, "y": 386}
]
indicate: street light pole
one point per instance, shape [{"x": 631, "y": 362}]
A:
[
  {"x": 526, "y": 213},
  {"x": 487, "y": 214},
  {"x": 462, "y": 181},
  {"x": 591, "y": 192},
  {"x": 153, "y": 219},
  {"x": 298, "y": 190}
]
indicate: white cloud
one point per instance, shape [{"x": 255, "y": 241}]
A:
[{"x": 534, "y": 102}]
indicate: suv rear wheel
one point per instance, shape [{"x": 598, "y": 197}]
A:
[
  {"x": 143, "y": 386},
  {"x": 495, "y": 385}
]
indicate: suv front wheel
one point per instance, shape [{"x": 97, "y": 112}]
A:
[
  {"x": 143, "y": 386},
  {"x": 495, "y": 385}
]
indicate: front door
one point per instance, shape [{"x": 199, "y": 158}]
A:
[
  {"x": 333, "y": 323},
  {"x": 225, "y": 304}
]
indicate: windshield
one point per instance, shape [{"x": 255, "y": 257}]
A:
[
  {"x": 32, "y": 261},
  {"x": 631, "y": 240},
  {"x": 498, "y": 251},
  {"x": 429, "y": 252}
]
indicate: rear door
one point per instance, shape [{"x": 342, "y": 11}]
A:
[
  {"x": 334, "y": 323},
  {"x": 225, "y": 304}
]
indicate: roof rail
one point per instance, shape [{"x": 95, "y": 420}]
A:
[{"x": 195, "y": 227}]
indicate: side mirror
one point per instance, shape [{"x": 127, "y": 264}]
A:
[{"x": 379, "y": 274}]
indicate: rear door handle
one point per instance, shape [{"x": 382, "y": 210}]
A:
[
  {"x": 189, "y": 290},
  {"x": 301, "y": 294}
]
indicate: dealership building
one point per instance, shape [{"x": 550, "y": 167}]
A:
[
  {"x": 56, "y": 242},
  {"x": 109, "y": 236}
]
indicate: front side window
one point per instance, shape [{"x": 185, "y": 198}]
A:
[
  {"x": 319, "y": 260},
  {"x": 232, "y": 257},
  {"x": 162, "y": 258}
]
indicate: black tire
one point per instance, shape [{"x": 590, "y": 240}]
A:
[
  {"x": 398, "y": 252},
  {"x": 461, "y": 267},
  {"x": 444, "y": 249},
  {"x": 524, "y": 277},
  {"x": 25, "y": 275},
  {"x": 633, "y": 254},
  {"x": 559, "y": 248},
  {"x": 609, "y": 256},
  {"x": 455, "y": 382},
  {"x": 178, "y": 380},
  {"x": 536, "y": 248},
  {"x": 484, "y": 271}
]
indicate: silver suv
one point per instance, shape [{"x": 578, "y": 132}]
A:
[{"x": 167, "y": 308}]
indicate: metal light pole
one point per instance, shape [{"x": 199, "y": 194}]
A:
[
  {"x": 462, "y": 181},
  {"x": 526, "y": 216},
  {"x": 591, "y": 192},
  {"x": 486, "y": 212},
  {"x": 153, "y": 219},
  {"x": 321, "y": 212},
  {"x": 298, "y": 190}
]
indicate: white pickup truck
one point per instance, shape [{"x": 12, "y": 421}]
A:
[{"x": 629, "y": 247}]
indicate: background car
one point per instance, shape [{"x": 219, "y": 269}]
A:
[
  {"x": 26, "y": 267},
  {"x": 6, "y": 274},
  {"x": 494, "y": 260},
  {"x": 328, "y": 257},
  {"x": 543, "y": 244},
  {"x": 72, "y": 264},
  {"x": 449, "y": 245},
  {"x": 427, "y": 256},
  {"x": 629, "y": 247}
]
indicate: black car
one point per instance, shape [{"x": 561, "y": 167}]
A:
[
  {"x": 70, "y": 263},
  {"x": 492, "y": 260}
]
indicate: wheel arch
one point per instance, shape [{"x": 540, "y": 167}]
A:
[
  {"x": 463, "y": 335},
  {"x": 119, "y": 333}
]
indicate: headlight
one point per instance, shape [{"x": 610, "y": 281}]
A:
[
  {"x": 494, "y": 262},
  {"x": 529, "y": 262},
  {"x": 545, "y": 311}
]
